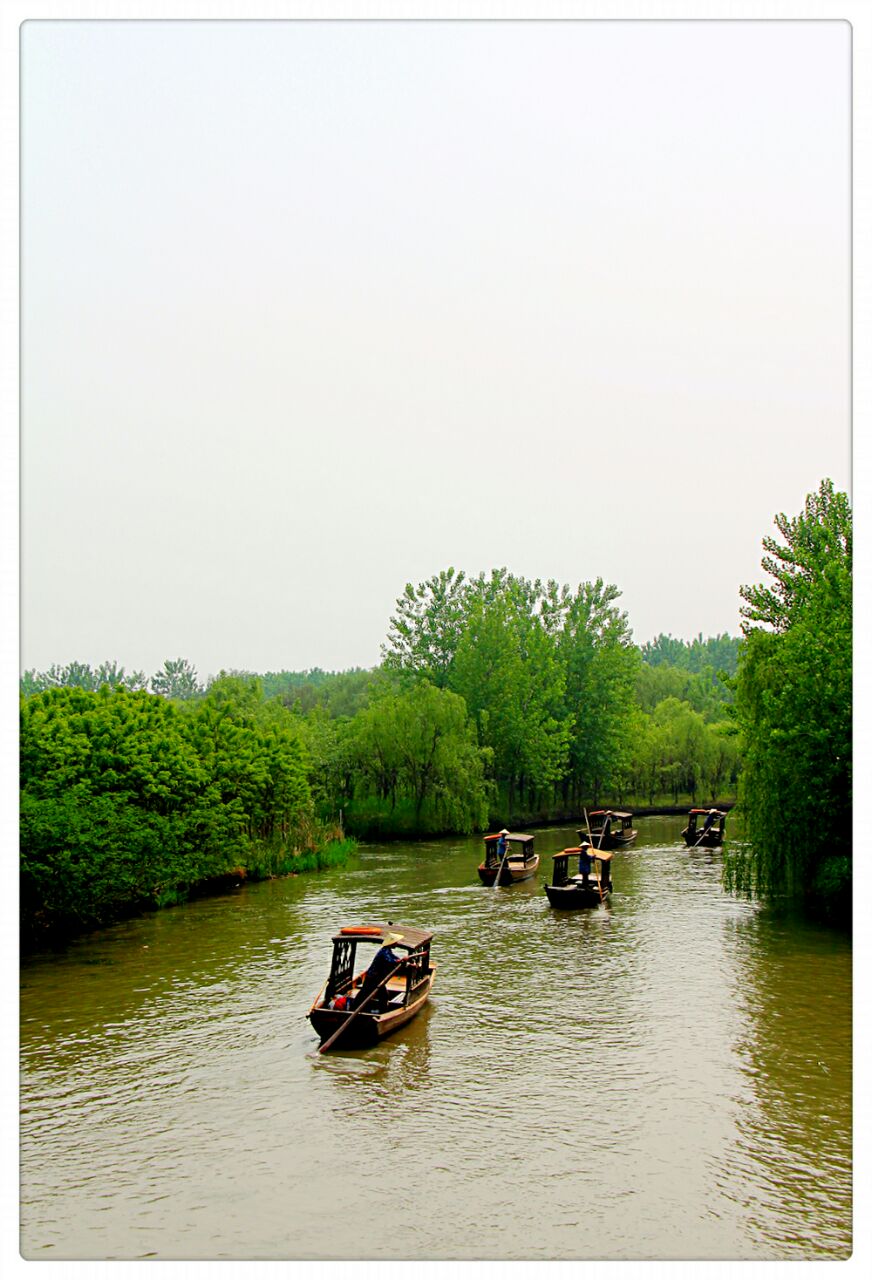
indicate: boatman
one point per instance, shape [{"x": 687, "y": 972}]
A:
[
  {"x": 584, "y": 863},
  {"x": 709, "y": 820},
  {"x": 380, "y": 966},
  {"x": 502, "y": 845}
]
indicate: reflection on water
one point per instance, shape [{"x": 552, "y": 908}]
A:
[
  {"x": 673, "y": 1066},
  {"x": 797, "y": 1059}
]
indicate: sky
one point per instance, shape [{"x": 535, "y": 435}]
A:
[{"x": 310, "y": 310}]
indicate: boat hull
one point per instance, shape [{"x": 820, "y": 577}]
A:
[
  {"x": 618, "y": 840},
  {"x": 573, "y": 897},
  {"x": 711, "y": 839},
  {"x": 511, "y": 873},
  {"x": 367, "y": 1028}
]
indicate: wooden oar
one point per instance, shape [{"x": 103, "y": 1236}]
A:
[
  {"x": 590, "y": 837},
  {"x": 360, "y": 1008},
  {"x": 701, "y": 834},
  {"x": 502, "y": 864}
]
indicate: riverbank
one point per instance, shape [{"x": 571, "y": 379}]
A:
[
  {"x": 399, "y": 824},
  {"x": 41, "y": 929}
]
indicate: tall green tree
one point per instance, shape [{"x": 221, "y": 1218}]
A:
[
  {"x": 793, "y": 703},
  {"x": 507, "y": 670},
  {"x": 810, "y": 570},
  {"x": 599, "y": 662},
  {"x": 425, "y": 630}
]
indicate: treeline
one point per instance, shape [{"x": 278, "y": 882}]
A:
[
  {"x": 497, "y": 698},
  {"x": 569, "y": 707},
  {"x": 176, "y": 679},
  {"x": 129, "y": 800}
]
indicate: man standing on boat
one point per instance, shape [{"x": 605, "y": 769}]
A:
[
  {"x": 502, "y": 845},
  {"x": 584, "y": 863},
  {"x": 380, "y": 966}
]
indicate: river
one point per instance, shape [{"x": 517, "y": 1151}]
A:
[{"x": 665, "y": 1077}]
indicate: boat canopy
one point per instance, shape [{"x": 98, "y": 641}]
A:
[
  {"x": 517, "y": 837},
  {"x": 719, "y": 813},
  {"x": 608, "y": 813},
  {"x": 410, "y": 938},
  {"x": 604, "y": 855}
]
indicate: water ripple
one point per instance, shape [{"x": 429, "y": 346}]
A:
[{"x": 659, "y": 1066}]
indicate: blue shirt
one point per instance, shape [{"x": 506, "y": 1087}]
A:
[{"x": 382, "y": 962}]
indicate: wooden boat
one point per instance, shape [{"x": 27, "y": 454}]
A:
[
  {"x": 519, "y": 863},
  {"x": 699, "y": 835},
  {"x": 406, "y": 991},
  {"x": 569, "y": 892},
  {"x": 609, "y": 829}
]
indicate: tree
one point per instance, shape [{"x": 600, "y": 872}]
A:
[
  {"x": 420, "y": 742},
  {"x": 717, "y": 653},
  {"x": 811, "y": 568},
  {"x": 793, "y": 704},
  {"x": 507, "y": 670},
  {"x": 79, "y": 675},
  {"x": 110, "y": 673},
  {"x": 255, "y": 756},
  {"x": 424, "y": 632},
  {"x": 176, "y": 679},
  {"x": 330, "y": 751},
  {"x": 599, "y": 663},
  {"x": 109, "y": 788},
  {"x": 31, "y": 682},
  {"x": 722, "y": 756},
  {"x": 706, "y": 693},
  {"x": 129, "y": 798}
]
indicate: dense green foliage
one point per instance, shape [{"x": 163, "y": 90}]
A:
[
  {"x": 571, "y": 710},
  {"x": 497, "y": 698},
  {"x": 793, "y": 702},
  {"x": 546, "y": 674},
  {"x": 703, "y": 657},
  {"x": 418, "y": 743},
  {"x": 130, "y": 800}
]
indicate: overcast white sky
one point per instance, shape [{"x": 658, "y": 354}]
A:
[{"x": 311, "y": 310}]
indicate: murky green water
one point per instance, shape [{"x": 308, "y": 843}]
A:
[{"x": 665, "y": 1077}]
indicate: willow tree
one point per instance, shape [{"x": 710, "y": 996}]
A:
[
  {"x": 418, "y": 744},
  {"x": 793, "y": 702}
]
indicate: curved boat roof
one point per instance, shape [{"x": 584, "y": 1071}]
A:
[
  {"x": 604, "y": 855},
  {"x": 410, "y": 936},
  {"x": 512, "y": 835}
]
